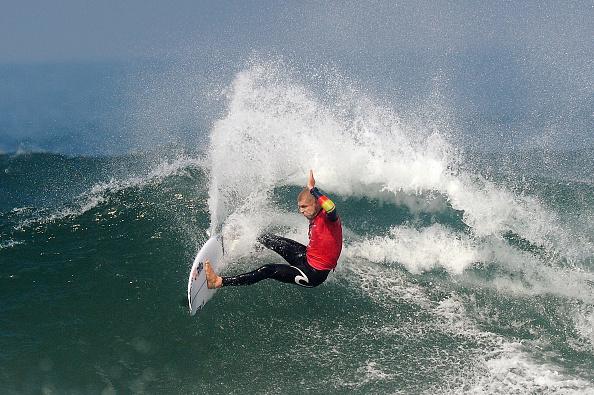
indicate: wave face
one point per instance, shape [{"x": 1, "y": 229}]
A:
[{"x": 460, "y": 273}]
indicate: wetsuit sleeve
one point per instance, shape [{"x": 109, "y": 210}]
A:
[{"x": 327, "y": 205}]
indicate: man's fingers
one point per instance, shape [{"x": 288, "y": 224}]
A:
[{"x": 311, "y": 182}]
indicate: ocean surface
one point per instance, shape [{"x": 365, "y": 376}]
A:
[{"x": 462, "y": 272}]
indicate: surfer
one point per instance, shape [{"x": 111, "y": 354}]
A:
[{"x": 308, "y": 266}]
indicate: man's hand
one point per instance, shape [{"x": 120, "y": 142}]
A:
[{"x": 311, "y": 182}]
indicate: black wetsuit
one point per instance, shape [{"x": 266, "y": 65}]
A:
[{"x": 297, "y": 272}]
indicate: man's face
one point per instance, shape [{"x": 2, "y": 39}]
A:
[{"x": 308, "y": 207}]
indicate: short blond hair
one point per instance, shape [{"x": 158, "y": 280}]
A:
[{"x": 305, "y": 194}]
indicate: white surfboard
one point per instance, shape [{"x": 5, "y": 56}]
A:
[{"x": 198, "y": 292}]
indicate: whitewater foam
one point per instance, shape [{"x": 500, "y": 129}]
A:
[
  {"x": 505, "y": 366},
  {"x": 510, "y": 369},
  {"x": 497, "y": 365},
  {"x": 436, "y": 246},
  {"x": 583, "y": 318},
  {"x": 419, "y": 250}
]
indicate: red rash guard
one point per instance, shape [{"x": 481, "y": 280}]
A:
[{"x": 325, "y": 235}]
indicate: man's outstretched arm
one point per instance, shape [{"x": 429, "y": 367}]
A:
[{"x": 324, "y": 201}]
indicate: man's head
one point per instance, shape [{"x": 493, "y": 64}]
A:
[{"x": 307, "y": 204}]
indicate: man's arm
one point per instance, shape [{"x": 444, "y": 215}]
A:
[
  {"x": 324, "y": 201},
  {"x": 327, "y": 205}
]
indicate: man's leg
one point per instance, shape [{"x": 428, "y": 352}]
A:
[
  {"x": 292, "y": 251},
  {"x": 304, "y": 276},
  {"x": 283, "y": 273},
  {"x": 298, "y": 272}
]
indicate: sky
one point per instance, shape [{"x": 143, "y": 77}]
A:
[
  {"x": 90, "y": 30},
  {"x": 533, "y": 58}
]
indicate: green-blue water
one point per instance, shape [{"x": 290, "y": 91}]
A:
[{"x": 93, "y": 285}]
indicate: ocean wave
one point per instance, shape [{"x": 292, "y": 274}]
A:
[
  {"x": 276, "y": 129},
  {"x": 517, "y": 272},
  {"x": 100, "y": 193}
]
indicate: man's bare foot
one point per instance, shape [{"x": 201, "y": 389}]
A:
[{"x": 212, "y": 280}]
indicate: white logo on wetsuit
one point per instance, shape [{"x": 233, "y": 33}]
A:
[{"x": 302, "y": 277}]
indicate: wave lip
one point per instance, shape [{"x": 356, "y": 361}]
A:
[{"x": 101, "y": 192}]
